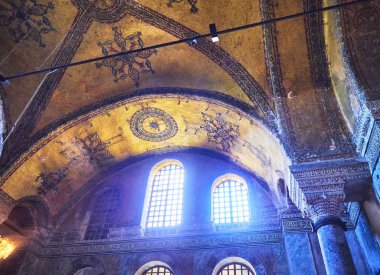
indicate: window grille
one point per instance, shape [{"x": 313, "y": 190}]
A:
[
  {"x": 158, "y": 270},
  {"x": 230, "y": 202},
  {"x": 235, "y": 269},
  {"x": 165, "y": 205}
]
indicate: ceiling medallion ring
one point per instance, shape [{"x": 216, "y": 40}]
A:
[{"x": 153, "y": 124}]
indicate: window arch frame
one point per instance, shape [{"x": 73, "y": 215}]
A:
[
  {"x": 149, "y": 265},
  {"x": 233, "y": 260},
  {"x": 149, "y": 189},
  {"x": 218, "y": 181}
]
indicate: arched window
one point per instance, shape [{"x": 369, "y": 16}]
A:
[
  {"x": 164, "y": 195},
  {"x": 230, "y": 200},
  {"x": 233, "y": 266},
  {"x": 103, "y": 214},
  {"x": 158, "y": 270},
  {"x": 235, "y": 269},
  {"x": 154, "y": 268}
]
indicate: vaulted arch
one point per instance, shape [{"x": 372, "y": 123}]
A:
[{"x": 69, "y": 154}]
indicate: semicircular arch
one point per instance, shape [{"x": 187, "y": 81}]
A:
[{"x": 69, "y": 155}]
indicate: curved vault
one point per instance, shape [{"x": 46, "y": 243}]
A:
[{"x": 62, "y": 161}]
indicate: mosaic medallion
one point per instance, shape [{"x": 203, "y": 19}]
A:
[{"x": 153, "y": 124}]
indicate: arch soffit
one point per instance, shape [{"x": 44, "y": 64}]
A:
[{"x": 72, "y": 152}]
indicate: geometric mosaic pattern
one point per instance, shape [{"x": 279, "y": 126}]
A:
[{"x": 153, "y": 124}]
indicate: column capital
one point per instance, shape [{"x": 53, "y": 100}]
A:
[
  {"x": 321, "y": 187},
  {"x": 325, "y": 211}
]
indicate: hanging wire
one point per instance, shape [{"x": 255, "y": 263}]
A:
[
  {"x": 185, "y": 40},
  {"x": 24, "y": 110},
  {"x": 14, "y": 48},
  {"x": 60, "y": 42},
  {"x": 9, "y": 54},
  {"x": 39, "y": 86},
  {"x": 53, "y": 69}
]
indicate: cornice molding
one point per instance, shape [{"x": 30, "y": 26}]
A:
[{"x": 154, "y": 244}]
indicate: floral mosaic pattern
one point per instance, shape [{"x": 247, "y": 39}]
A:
[
  {"x": 129, "y": 65},
  {"x": 90, "y": 149},
  {"x": 26, "y": 19},
  {"x": 192, "y": 3},
  {"x": 220, "y": 131}
]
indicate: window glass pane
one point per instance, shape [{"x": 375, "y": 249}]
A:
[
  {"x": 235, "y": 269},
  {"x": 165, "y": 205},
  {"x": 230, "y": 202},
  {"x": 159, "y": 270}
]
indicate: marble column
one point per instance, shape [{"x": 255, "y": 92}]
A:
[{"x": 332, "y": 239}]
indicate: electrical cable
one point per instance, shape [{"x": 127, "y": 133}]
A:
[
  {"x": 60, "y": 42},
  {"x": 185, "y": 40},
  {"x": 24, "y": 110}
]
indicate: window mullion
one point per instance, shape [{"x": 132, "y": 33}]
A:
[
  {"x": 150, "y": 200},
  {"x": 166, "y": 197},
  {"x": 230, "y": 196}
]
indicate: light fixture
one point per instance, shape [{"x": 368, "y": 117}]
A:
[
  {"x": 3, "y": 80},
  {"x": 189, "y": 40},
  {"x": 6, "y": 248},
  {"x": 214, "y": 33},
  {"x": 193, "y": 42}
]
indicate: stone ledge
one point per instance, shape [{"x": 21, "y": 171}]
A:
[{"x": 154, "y": 244}]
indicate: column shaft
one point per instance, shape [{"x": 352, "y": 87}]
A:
[{"x": 335, "y": 251}]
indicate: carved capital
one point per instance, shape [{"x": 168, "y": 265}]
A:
[
  {"x": 325, "y": 209},
  {"x": 328, "y": 181}
]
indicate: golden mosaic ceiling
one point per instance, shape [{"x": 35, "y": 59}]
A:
[
  {"x": 277, "y": 75},
  {"x": 61, "y": 163}
]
